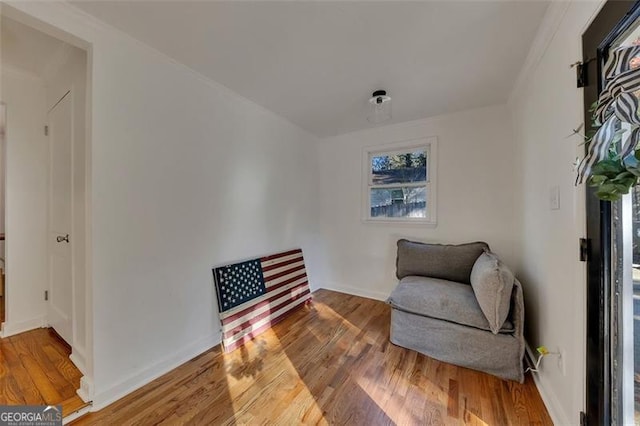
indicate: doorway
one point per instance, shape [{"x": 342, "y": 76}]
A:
[
  {"x": 612, "y": 298},
  {"x": 60, "y": 291},
  {"x": 44, "y": 88}
]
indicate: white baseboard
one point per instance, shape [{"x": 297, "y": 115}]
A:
[
  {"x": 547, "y": 394},
  {"x": 86, "y": 389},
  {"x": 355, "y": 291},
  {"x": 10, "y": 328},
  {"x": 137, "y": 380}
]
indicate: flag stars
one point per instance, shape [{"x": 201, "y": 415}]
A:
[{"x": 240, "y": 283}]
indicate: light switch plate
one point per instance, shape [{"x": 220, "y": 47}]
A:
[{"x": 554, "y": 197}]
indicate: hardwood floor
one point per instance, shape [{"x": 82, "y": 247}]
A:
[
  {"x": 35, "y": 370},
  {"x": 328, "y": 363}
]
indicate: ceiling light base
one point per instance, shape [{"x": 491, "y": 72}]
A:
[{"x": 379, "y": 107}]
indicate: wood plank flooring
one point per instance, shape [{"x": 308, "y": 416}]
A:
[
  {"x": 35, "y": 370},
  {"x": 328, "y": 363}
]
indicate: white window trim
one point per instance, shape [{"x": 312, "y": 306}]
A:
[{"x": 431, "y": 144}]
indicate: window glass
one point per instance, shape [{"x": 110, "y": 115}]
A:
[
  {"x": 399, "y": 202},
  {"x": 399, "y": 168}
]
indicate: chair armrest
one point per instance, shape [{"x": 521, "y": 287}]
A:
[{"x": 517, "y": 308}]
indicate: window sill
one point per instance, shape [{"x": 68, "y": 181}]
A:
[{"x": 401, "y": 222}]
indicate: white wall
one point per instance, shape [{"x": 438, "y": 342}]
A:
[
  {"x": 26, "y": 200},
  {"x": 545, "y": 107},
  {"x": 475, "y": 197},
  {"x": 185, "y": 175}
]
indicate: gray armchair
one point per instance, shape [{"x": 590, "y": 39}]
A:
[{"x": 438, "y": 312}]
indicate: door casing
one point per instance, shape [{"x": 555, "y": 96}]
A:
[{"x": 612, "y": 20}]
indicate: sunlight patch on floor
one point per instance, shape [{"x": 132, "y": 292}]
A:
[
  {"x": 327, "y": 313},
  {"x": 265, "y": 365},
  {"x": 390, "y": 406},
  {"x": 472, "y": 419},
  {"x": 407, "y": 403}
]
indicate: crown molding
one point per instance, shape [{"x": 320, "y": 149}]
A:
[{"x": 546, "y": 32}]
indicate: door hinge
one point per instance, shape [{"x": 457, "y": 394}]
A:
[
  {"x": 583, "y": 419},
  {"x": 581, "y": 75},
  {"x": 46, "y": 295},
  {"x": 581, "y": 72},
  {"x": 585, "y": 249},
  {"x": 46, "y": 130}
]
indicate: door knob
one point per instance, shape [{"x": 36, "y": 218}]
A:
[{"x": 60, "y": 238}]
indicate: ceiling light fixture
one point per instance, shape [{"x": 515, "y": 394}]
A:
[{"x": 379, "y": 107}]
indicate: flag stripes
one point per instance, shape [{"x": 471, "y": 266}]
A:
[
  {"x": 274, "y": 295},
  {"x": 287, "y": 288},
  {"x": 274, "y": 309}
]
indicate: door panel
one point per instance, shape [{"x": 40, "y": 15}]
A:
[
  {"x": 60, "y": 290},
  {"x": 614, "y": 18}
]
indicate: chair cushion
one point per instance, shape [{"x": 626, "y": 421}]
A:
[
  {"x": 447, "y": 262},
  {"x": 441, "y": 299},
  {"x": 492, "y": 283}
]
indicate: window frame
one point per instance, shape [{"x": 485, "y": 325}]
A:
[{"x": 430, "y": 145}]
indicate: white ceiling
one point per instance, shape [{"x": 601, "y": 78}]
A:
[
  {"x": 316, "y": 63},
  {"x": 27, "y": 49}
]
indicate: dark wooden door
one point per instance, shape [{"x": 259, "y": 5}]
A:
[{"x": 614, "y": 18}]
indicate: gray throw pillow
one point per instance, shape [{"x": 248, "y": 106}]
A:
[
  {"x": 447, "y": 262},
  {"x": 492, "y": 283}
]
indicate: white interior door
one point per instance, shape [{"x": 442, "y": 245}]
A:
[{"x": 60, "y": 205}]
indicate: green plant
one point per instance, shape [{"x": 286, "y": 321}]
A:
[
  {"x": 614, "y": 176},
  {"x": 613, "y": 179},
  {"x": 612, "y": 161}
]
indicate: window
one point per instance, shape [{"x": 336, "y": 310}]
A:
[{"x": 399, "y": 182}]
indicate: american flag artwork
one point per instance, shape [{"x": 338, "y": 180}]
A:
[{"x": 255, "y": 294}]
